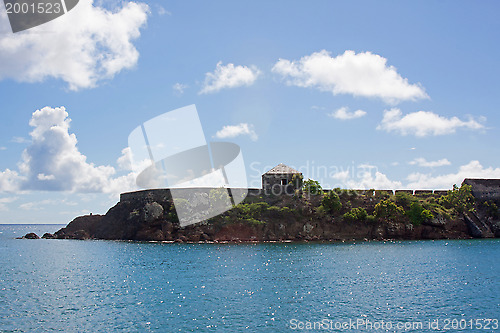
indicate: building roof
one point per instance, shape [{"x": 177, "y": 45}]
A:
[{"x": 282, "y": 169}]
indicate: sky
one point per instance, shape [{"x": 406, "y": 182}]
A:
[{"x": 354, "y": 94}]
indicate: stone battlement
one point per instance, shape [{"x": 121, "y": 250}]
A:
[{"x": 165, "y": 194}]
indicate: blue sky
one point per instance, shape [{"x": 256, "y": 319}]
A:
[{"x": 382, "y": 94}]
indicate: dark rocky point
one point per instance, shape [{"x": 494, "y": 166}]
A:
[
  {"x": 31, "y": 235},
  {"x": 150, "y": 216}
]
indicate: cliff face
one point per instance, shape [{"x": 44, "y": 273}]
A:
[{"x": 262, "y": 218}]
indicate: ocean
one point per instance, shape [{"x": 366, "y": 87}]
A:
[{"x": 110, "y": 286}]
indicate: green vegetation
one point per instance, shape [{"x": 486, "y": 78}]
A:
[
  {"x": 351, "y": 206},
  {"x": 297, "y": 180},
  {"x": 418, "y": 214},
  {"x": 492, "y": 209},
  {"x": 331, "y": 202},
  {"x": 388, "y": 210},
  {"x": 404, "y": 199},
  {"x": 460, "y": 199},
  {"x": 356, "y": 214},
  {"x": 313, "y": 187}
]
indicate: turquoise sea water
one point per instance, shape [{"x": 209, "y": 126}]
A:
[{"x": 107, "y": 286}]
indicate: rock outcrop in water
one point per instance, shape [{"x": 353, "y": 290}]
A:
[{"x": 150, "y": 216}]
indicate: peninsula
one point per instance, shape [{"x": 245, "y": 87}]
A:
[{"x": 303, "y": 211}]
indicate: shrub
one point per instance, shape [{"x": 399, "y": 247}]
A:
[
  {"x": 252, "y": 210},
  {"x": 313, "y": 187},
  {"x": 331, "y": 202},
  {"x": 356, "y": 214},
  {"x": 297, "y": 180},
  {"x": 371, "y": 219},
  {"x": 404, "y": 199},
  {"x": 418, "y": 214},
  {"x": 460, "y": 199},
  {"x": 386, "y": 209},
  {"x": 492, "y": 209}
]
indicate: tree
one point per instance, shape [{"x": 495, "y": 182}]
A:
[
  {"x": 297, "y": 180},
  {"x": 311, "y": 186},
  {"x": 418, "y": 214},
  {"x": 356, "y": 214},
  {"x": 331, "y": 202},
  {"x": 386, "y": 209},
  {"x": 460, "y": 199}
]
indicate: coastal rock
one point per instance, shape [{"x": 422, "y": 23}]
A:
[
  {"x": 48, "y": 235},
  {"x": 152, "y": 211},
  {"x": 150, "y": 216},
  {"x": 76, "y": 227},
  {"x": 31, "y": 235}
]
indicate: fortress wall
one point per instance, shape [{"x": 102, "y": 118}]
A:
[
  {"x": 165, "y": 195},
  {"x": 484, "y": 189},
  {"x": 410, "y": 192},
  {"x": 144, "y": 195},
  {"x": 479, "y": 191},
  {"x": 381, "y": 192},
  {"x": 423, "y": 193}
]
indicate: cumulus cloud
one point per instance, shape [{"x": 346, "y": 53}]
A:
[
  {"x": 423, "y": 123},
  {"x": 232, "y": 131},
  {"x": 229, "y": 76},
  {"x": 368, "y": 176},
  {"x": 363, "y": 74},
  {"x": 52, "y": 162},
  {"x": 344, "y": 114},
  {"x": 473, "y": 169},
  {"x": 429, "y": 164},
  {"x": 10, "y": 180},
  {"x": 82, "y": 47},
  {"x": 3, "y": 148}
]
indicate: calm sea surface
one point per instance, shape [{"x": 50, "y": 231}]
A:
[{"x": 107, "y": 286}]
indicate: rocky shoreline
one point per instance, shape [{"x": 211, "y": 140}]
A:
[{"x": 288, "y": 218}]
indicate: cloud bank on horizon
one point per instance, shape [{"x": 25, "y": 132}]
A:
[{"x": 53, "y": 162}]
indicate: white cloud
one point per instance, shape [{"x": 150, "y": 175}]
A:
[
  {"x": 344, "y": 114},
  {"x": 179, "y": 88},
  {"x": 52, "y": 161},
  {"x": 3, "y": 148},
  {"x": 369, "y": 177},
  {"x": 125, "y": 161},
  {"x": 364, "y": 74},
  {"x": 82, "y": 47},
  {"x": 423, "y": 123},
  {"x": 10, "y": 180},
  {"x": 5, "y": 201},
  {"x": 473, "y": 169},
  {"x": 232, "y": 131},
  {"x": 229, "y": 76},
  {"x": 429, "y": 164}
]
